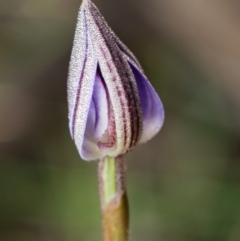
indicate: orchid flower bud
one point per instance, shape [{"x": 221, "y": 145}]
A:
[{"x": 112, "y": 105}]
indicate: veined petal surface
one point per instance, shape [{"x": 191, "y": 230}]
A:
[
  {"x": 120, "y": 82},
  {"x": 82, "y": 72}
]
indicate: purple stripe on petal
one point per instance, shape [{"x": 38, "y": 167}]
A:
[
  {"x": 127, "y": 52},
  {"x": 85, "y": 86},
  {"x": 152, "y": 108}
]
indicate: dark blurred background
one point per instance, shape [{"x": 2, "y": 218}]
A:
[{"x": 184, "y": 184}]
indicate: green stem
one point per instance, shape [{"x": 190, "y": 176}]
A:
[{"x": 112, "y": 175}]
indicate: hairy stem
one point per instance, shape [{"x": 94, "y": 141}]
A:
[{"x": 112, "y": 186}]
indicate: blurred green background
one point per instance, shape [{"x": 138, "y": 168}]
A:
[{"x": 184, "y": 184}]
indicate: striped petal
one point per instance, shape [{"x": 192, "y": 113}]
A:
[
  {"x": 127, "y": 53},
  {"x": 120, "y": 82},
  {"x": 82, "y": 72}
]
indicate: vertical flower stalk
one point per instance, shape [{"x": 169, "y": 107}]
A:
[
  {"x": 112, "y": 108},
  {"x": 112, "y": 186}
]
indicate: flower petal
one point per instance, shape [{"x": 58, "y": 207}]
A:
[
  {"x": 119, "y": 80},
  {"x": 152, "y": 108},
  {"x": 105, "y": 132},
  {"x": 82, "y": 72},
  {"x": 90, "y": 149},
  {"x": 127, "y": 52},
  {"x": 77, "y": 62},
  {"x": 101, "y": 104},
  {"x": 99, "y": 139}
]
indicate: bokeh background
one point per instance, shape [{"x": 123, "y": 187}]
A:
[{"x": 184, "y": 184}]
